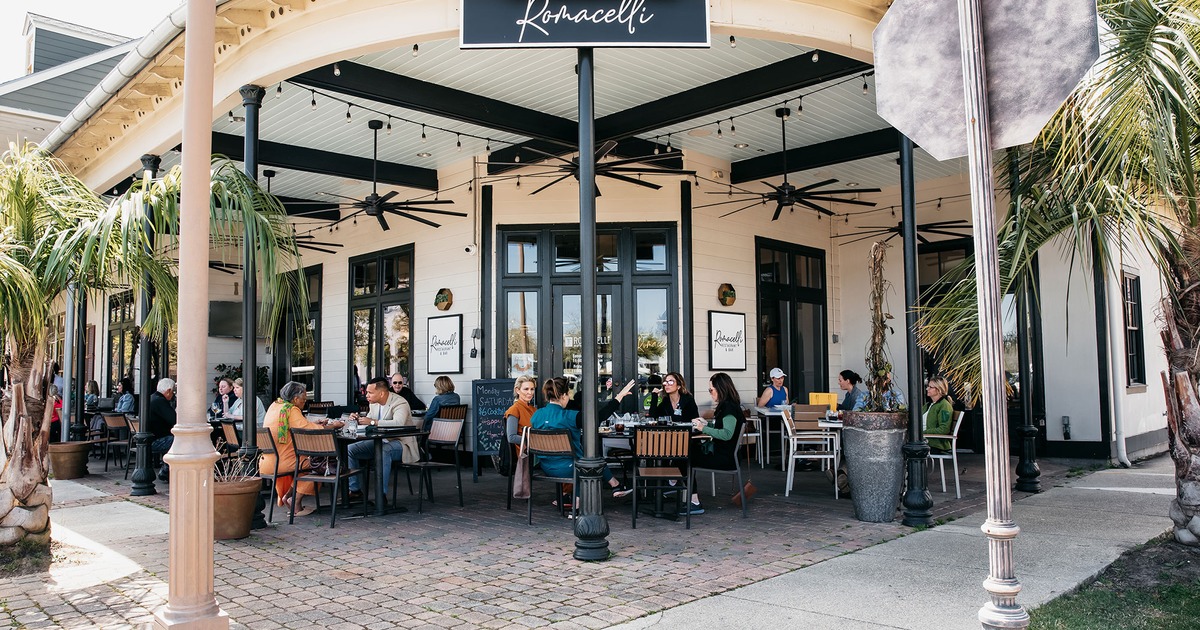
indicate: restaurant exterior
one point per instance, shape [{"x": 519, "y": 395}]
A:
[{"x": 681, "y": 284}]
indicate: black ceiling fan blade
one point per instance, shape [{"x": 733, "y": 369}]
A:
[
  {"x": 816, "y": 185},
  {"x": 778, "y": 189},
  {"x": 329, "y": 194},
  {"x": 646, "y": 171},
  {"x": 957, "y": 223},
  {"x": 382, "y": 221},
  {"x": 855, "y": 202},
  {"x": 778, "y": 210},
  {"x": 630, "y": 180},
  {"x": 924, "y": 241},
  {"x": 871, "y": 236},
  {"x": 408, "y": 208},
  {"x": 846, "y": 191},
  {"x": 862, "y": 233},
  {"x": 814, "y": 206},
  {"x": 305, "y": 213},
  {"x": 721, "y": 203},
  {"x": 603, "y": 150},
  {"x": 756, "y": 203},
  {"x": 387, "y": 197},
  {"x": 880, "y": 227},
  {"x": 426, "y": 202},
  {"x": 549, "y": 155},
  {"x": 635, "y": 160},
  {"x": 416, "y": 218},
  {"x": 947, "y": 233},
  {"x": 552, "y": 182},
  {"x": 315, "y": 248}
]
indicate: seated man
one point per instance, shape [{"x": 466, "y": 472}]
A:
[
  {"x": 161, "y": 421},
  {"x": 387, "y": 410},
  {"x": 400, "y": 387}
]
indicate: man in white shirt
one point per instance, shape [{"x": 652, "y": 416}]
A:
[{"x": 387, "y": 410}]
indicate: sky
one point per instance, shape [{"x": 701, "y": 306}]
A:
[{"x": 130, "y": 18}]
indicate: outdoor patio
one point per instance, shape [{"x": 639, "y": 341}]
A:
[{"x": 451, "y": 567}]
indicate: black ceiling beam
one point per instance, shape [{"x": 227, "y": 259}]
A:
[
  {"x": 769, "y": 81},
  {"x": 848, "y": 149},
  {"x": 401, "y": 91},
  {"x": 326, "y": 162}
]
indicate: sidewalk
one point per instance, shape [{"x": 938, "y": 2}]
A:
[{"x": 933, "y": 578}]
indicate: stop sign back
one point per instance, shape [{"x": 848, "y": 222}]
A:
[{"x": 1036, "y": 52}]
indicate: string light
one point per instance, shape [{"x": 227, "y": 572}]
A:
[
  {"x": 669, "y": 148},
  {"x": 416, "y": 48},
  {"x": 732, "y": 128},
  {"x": 337, "y": 70},
  {"x": 458, "y": 142},
  {"x": 799, "y": 106},
  {"x": 231, "y": 115},
  {"x": 423, "y": 136},
  {"x": 348, "y": 117},
  {"x": 314, "y": 100},
  {"x": 866, "y": 88},
  {"x": 518, "y": 182},
  {"x": 816, "y": 56},
  {"x": 656, "y": 145},
  {"x": 487, "y": 148},
  {"x": 939, "y": 208},
  {"x": 720, "y": 134},
  {"x": 279, "y": 90},
  {"x": 389, "y": 126},
  {"x": 732, "y": 42}
]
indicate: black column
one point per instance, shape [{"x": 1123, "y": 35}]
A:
[
  {"x": 79, "y": 430},
  {"x": 143, "y": 475},
  {"x": 1028, "y": 472},
  {"x": 591, "y": 528},
  {"x": 917, "y": 501},
  {"x": 252, "y": 96}
]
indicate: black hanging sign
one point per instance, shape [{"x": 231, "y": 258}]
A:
[{"x": 584, "y": 23}]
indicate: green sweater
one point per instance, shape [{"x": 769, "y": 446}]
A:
[{"x": 939, "y": 418}]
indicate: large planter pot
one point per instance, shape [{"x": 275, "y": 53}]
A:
[
  {"x": 233, "y": 508},
  {"x": 871, "y": 443},
  {"x": 68, "y": 460}
]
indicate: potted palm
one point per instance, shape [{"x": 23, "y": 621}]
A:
[{"x": 873, "y": 435}]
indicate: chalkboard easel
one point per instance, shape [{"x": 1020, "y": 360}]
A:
[{"x": 490, "y": 398}]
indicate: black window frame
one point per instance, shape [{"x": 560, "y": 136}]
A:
[
  {"x": 1135, "y": 334},
  {"x": 378, "y": 300},
  {"x": 283, "y": 343},
  {"x": 120, "y": 317}
]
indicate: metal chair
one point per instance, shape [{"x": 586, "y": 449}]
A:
[
  {"x": 114, "y": 425},
  {"x": 130, "y": 459},
  {"x": 266, "y": 444},
  {"x": 318, "y": 407},
  {"x": 824, "y": 445},
  {"x": 735, "y": 472},
  {"x": 550, "y": 443},
  {"x": 444, "y": 434},
  {"x": 952, "y": 455},
  {"x": 755, "y": 432},
  {"x": 232, "y": 440},
  {"x": 321, "y": 443},
  {"x": 665, "y": 452}
]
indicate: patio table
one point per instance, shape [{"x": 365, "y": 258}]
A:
[{"x": 378, "y": 437}]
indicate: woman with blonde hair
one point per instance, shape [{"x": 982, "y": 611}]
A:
[
  {"x": 518, "y": 415},
  {"x": 939, "y": 413},
  {"x": 444, "y": 388}
]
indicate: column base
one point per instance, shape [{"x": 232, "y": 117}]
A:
[{"x": 166, "y": 619}]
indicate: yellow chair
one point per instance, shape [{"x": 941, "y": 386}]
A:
[{"x": 822, "y": 398}]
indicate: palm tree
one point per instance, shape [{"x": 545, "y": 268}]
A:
[
  {"x": 1116, "y": 163},
  {"x": 55, "y": 232}
]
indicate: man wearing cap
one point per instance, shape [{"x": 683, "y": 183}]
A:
[{"x": 775, "y": 393}]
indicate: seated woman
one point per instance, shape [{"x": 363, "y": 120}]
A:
[
  {"x": 720, "y": 452},
  {"x": 776, "y": 393},
  {"x": 677, "y": 402},
  {"x": 52, "y": 398},
  {"x": 235, "y": 411},
  {"x": 848, "y": 380},
  {"x": 939, "y": 413},
  {"x": 517, "y": 416},
  {"x": 124, "y": 402},
  {"x": 284, "y": 414},
  {"x": 555, "y": 415},
  {"x": 444, "y": 388},
  {"x": 91, "y": 396}
]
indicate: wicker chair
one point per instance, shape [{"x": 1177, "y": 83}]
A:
[
  {"x": 310, "y": 443},
  {"x": 664, "y": 450},
  {"x": 444, "y": 434}
]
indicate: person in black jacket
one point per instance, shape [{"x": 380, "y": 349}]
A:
[
  {"x": 161, "y": 421},
  {"x": 720, "y": 452},
  {"x": 677, "y": 402},
  {"x": 400, "y": 386}
]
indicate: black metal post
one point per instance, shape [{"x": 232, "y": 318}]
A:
[
  {"x": 917, "y": 501},
  {"x": 591, "y": 528},
  {"x": 1028, "y": 472},
  {"x": 80, "y": 428},
  {"x": 252, "y": 96},
  {"x": 143, "y": 474}
]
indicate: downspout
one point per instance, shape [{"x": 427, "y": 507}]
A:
[
  {"x": 147, "y": 49},
  {"x": 1116, "y": 344}
]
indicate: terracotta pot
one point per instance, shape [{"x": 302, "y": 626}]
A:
[
  {"x": 871, "y": 444},
  {"x": 68, "y": 460},
  {"x": 233, "y": 508}
]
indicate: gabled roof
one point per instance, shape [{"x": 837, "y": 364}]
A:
[
  {"x": 33, "y": 20},
  {"x": 58, "y": 90}
]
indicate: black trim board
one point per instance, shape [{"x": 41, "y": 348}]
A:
[
  {"x": 1074, "y": 448},
  {"x": 326, "y": 162},
  {"x": 821, "y": 154}
]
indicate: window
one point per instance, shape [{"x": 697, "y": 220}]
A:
[
  {"x": 300, "y": 342},
  {"x": 1135, "y": 349},
  {"x": 122, "y": 338},
  {"x": 381, "y": 317}
]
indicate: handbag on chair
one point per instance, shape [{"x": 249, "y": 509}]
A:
[
  {"x": 521, "y": 483},
  {"x": 748, "y": 491}
]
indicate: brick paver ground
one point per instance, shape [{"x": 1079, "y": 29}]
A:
[{"x": 479, "y": 566}]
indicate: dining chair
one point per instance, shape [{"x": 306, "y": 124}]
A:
[
  {"x": 444, "y": 434},
  {"x": 266, "y": 445},
  {"x": 550, "y": 443},
  {"x": 952, "y": 455},
  {"x": 753, "y": 430},
  {"x": 232, "y": 440},
  {"x": 806, "y": 440},
  {"x": 321, "y": 407},
  {"x": 130, "y": 460},
  {"x": 310, "y": 443},
  {"x": 114, "y": 440},
  {"x": 664, "y": 451},
  {"x": 735, "y": 471}
]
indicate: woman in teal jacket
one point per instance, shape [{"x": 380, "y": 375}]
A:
[{"x": 938, "y": 413}]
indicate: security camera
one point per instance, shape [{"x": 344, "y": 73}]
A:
[{"x": 471, "y": 249}]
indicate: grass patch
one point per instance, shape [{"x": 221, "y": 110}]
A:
[
  {"x": 1153, "y": 587},
  {"x": 23, "y": 558}
]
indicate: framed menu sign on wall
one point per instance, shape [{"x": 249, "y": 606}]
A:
[
  {"x": 588, "y": 23},
  {"x": 726, "y": 341},
  {"x": 445, "y": 344}
]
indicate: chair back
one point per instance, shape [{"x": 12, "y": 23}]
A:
[
  {"x": 265, "y": 442},
  {"x": 133, "y": 423},
  {"x": 445, "y": 432},
  {"x": 114, "y": 420},
  {"x": 550, "y": 443},
  {"x": 318, "y": 406},
  {"x": 452, "y": 412},
  {"x": 824, "y": 399},
  {"x": 229, "y": 431},
  {"x": 314, "y": 442},
  {"x": 958, "y": 423},
  {"x": 661, "y": 442}
]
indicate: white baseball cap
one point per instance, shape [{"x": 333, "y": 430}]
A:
[{"x": 777, "y": 373}]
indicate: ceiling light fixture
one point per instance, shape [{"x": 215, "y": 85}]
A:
[
  {"x": 337, "y": 70},
  {"x": 424, "y": 154},
  {"x": 279, "y": 90},
  {"x": 816, "y": 56},
  {"x": 732, "y": 41},
  {"x": 720, "y": 134},
  {"x": 851, "y": 184},
  {"x": 416, "y": 48},
  {"x": 741, "y": 145},
  {"x": 732, "y": 128},
  {"x": 458, "y": 142},
  {"x": 389, "y": 126},
  {"x": 314, "y": 99}
]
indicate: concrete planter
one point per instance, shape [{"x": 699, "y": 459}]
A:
[
  {"x": 233, "y": 508},
  {"x": 68, "y": 460},
  {"x": 871, "y": 444}
]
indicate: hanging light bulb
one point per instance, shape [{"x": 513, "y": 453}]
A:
[
  {"x": 655, "y": 145},
  {"x": 314, "y": 100},
  {"x": 348, "y": 117},
  {"x": 866, "y": 88},
  {"x": 470, "y": 186},
  {"x": 720, "y": 134},
  {"x": 696, "y": 179},
  {"x": 279, "y": 90},
  {"x": 732, "y": 128},
  {"x": 416, "y": 48},
  {"x": 423, "y": 136},
  {"x": 732, "y": 41},
  {"x": 669, "y": 148},
  {"x": 337, "y": 70},
  {"x": 458, "y": 142},
  {"x": 389, "y": 126},
  {"x": 800, "y": 106},
  {"x": 355, "y": 219},
  {"x": 518, "y": 182},
  {"x": 939, "y": 208},
  {"x": 487, "y": 148},
  {"x": 816, "y": 56},
  {"x": 231, "y": 115}
]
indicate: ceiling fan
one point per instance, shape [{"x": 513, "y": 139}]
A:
[
  {"x": 941, "y": 228},
  {"x": 786, "y": 195},
  {"x": 374, "y": 205},
  {"x": 619, "y": 170}
]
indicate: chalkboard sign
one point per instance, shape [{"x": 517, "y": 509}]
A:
[{"x": 490, "y": 398}]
